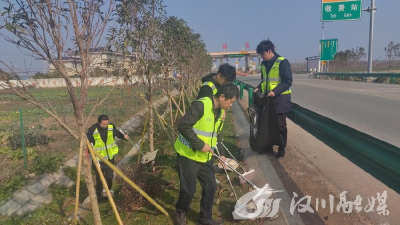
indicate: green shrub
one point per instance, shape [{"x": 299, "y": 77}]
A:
[
  {"x": 19, "y": 154},
  {"x": 46, "y": 163},
  {"x": 31, "y": 139},
  {"x": 8, "y": 186},
  {"x": 4, "y": 150},
  {"x": 70, "y": 172}
]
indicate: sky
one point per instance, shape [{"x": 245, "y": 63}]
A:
[{"x": 294, "y": 26}]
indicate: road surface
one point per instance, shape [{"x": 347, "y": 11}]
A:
[{"x": 371, "y": 108}]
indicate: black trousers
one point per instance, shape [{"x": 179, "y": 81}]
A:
[
  {"x": 108, "y": 175},
  {"x": 281, "y": 117},
  {"x": 189, "y": 171}
]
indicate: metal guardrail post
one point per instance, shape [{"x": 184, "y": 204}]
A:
[
  {"x": 23, "y": 140},
  {"x": 250, "y": 92},
  {"x": 241, "y": 90},
  {"x": 362, "y": 76}
]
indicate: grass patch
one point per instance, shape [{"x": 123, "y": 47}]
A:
[
  {"x": 46, "y": 163},
  {"x": 70, "y": 172},
  {"x": 10, "y": 185},
  {"x": 161, "y": 182},
  {"x": 56, "y": 212}
]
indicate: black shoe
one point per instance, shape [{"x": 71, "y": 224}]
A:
[
  {"x": 180, "y": 218},
  {"x": 281, "y": 153},
  {"x": 209, "y": 222},
  {"x": 269, "y": 149}
]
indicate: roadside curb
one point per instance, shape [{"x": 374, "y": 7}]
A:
[{"x": 262, "y": 165}]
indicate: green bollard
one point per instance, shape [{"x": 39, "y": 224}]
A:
[
  {"x": 392, "y": 80},
  {"x": 23, "y": 139},
  {"x": 250, "y": 92},
  {"x": 241, "y": 90}
]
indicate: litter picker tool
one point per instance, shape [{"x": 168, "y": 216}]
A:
[
  {"x": 233, "y": 169},
  {"x": 148, "y": 157},
  {"x": 227, "y": 176},
  {"x": 248, "y": 174},
  {"x": 258, "y": 192}
]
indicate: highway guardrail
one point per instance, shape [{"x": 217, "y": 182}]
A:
[
  {"x": 392, "y": 76},
  {"x": 382, "y": 159}
]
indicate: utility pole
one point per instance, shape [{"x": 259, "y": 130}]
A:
[
  {"x": 323, "y": 38},
  {"x": 371, "y": 10}
]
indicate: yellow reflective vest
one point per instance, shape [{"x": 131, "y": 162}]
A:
[
  {"x": 212, "y": 86},
  {"x": 272, "y": 79},
  {"x": 206, "y": 129},
  {"x": 214, "y": 90},
  {"x": 107, "y": 150}
]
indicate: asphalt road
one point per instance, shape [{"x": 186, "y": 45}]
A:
[{"x": 371, "y": 108}]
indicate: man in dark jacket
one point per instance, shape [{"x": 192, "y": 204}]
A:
[
  {"x": 212, "y": 82},
  {"x": 210, "y": 86},
  {"x": 276, "y": 80},
  {"x": 198, "y": 130},
  {"x": 101, "y": 136}
]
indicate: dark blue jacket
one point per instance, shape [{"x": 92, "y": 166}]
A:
[{"x": 282, "y": 102}]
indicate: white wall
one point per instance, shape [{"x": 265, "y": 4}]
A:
[{"x": 60, "y": 82}]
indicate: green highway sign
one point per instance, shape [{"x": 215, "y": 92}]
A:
[
  {"x": 328, "y": 49},
  {"x": 333, "y": 10},
  {"x": 236, "y": 55}
]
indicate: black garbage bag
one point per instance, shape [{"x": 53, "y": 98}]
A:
[{"x": 264, "y": 131}]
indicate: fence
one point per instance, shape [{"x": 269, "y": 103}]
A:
[{"x": 43, "y": 135}]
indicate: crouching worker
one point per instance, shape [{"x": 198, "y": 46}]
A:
[
  {"x": 198, "y": 131},
  {"x": 101, "y": 136}
]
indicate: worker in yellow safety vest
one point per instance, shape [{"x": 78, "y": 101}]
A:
[
  {"x": 198, "y": 131},
  {"x": 101, "y": 135},
  {"x": 276, "y": 80},
  {"x": 210, "y": 86}
]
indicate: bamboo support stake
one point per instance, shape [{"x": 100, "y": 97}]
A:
[
  {"x": 196, "y": 88},
  {"x": 162, "y": 123},
  {"x": 172, "y": 129},
  {"x": 170, "y": 109},
  {"x": 183, "y": 100},
  {"x": 119, "y": 173},
  {"x": 163, "y": 120},
  {"x": 142, "y": 140},
  {"x": 176, "y": 114},
  {"x": 78, "y": 177},
  {"x": 187, "y": 96},
  {"x": 110, "y": 198},
  {"x": 192, "y": 90},
  {"x": 180, "y": 111},
  {"x": 165, "y": 130}
]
